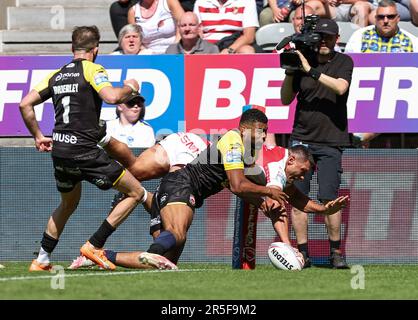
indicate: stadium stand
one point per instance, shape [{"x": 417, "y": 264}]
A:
[
  {"x": 44, "y": 27},
  {"x": 346, "y": 30},
  {"x": 269, "y": 35},
  {"x": 408, "y": 26}
]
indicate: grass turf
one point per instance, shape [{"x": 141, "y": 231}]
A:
[{"x": 211, "y": 282}]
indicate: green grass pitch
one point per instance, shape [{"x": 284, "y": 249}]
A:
[{"x": 210, "y": 282}]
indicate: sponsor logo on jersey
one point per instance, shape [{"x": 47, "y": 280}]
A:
[
  {"x": 234, "y": 155},
  {"x": 64, "y": 138},
  {"x": 100, "y": 78},
  {"x": 63, "y": 76},
  {"x": 71, "y": 65}
]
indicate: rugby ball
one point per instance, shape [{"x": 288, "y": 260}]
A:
[{"x": 285, "y": 257}]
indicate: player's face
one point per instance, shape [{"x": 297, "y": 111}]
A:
[
  {"x": 255, "y": 135},
  {"x": 387, "y": 19},
  {"x": 296, "y": 169}
]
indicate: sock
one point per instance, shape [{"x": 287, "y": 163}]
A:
[
  {"x": 48, "y": 245},
  {"x": 303, "y": 248},
  {"x": 110, "y": 255},
  {"x": 163, "y": 243},
  {"x": 43, "y": 256},
  {"x": 334, "y": 245},
  {"x": 100, "y": 236}
]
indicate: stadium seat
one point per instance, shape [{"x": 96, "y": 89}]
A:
[
  {"x": 271, "y": 34},
  {"x": 346, "y": 30},
  {"x": 408, "y": 26}
]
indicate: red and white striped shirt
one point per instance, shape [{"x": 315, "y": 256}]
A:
[
  {"x": 219, "y": 21},
  {"x": 273, "y": 161}
]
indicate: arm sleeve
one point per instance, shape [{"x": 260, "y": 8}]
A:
[
  {"x": 96, "y": 75},
  {"x": 232, "y": 150},
  {"x": 43, "y": 87},
  {"x": 346, "y": 70}
]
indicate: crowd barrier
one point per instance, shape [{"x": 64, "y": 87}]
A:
[{"x": 207, "y": 92}]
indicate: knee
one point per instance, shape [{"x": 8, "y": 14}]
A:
[
  {"x": 68, "y": 206},
  {"x": 138, "y": 195},
  {"x": 246, "y": 49}
]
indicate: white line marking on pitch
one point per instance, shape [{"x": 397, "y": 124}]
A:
[{"x": 104, "y": 274}]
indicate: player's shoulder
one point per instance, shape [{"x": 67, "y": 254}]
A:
[
  {"x": 273, "y": 153},
  {"x": 91, "y": 68},
  {"x": 232, "y": 138}
]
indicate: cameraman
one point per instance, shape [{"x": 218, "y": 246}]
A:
[{"x": 321, "y": 125}]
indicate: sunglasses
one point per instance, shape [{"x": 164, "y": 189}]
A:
[
  {"x": 133, "y": 104},
  {"x": 383, "y": 16}
]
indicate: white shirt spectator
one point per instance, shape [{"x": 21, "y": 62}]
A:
[
  {"x": 138, "y": 135},
  {"x": 159, "y": 30}
]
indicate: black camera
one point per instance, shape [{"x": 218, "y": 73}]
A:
[{"x": 306, "y": 42}]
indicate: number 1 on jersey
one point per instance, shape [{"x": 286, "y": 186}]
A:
[{"x": 66, "y": 105}]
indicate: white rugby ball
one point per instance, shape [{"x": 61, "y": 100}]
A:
[{"x": 285, "y": 257}]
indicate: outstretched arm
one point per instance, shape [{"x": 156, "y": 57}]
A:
[
  {"x": 305, "y": 204},
  {"x": 243, "y": 188}
]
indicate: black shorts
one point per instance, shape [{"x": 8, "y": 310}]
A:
[
  {"x": 155, "y": 218},
  {"x": 175, "y": 187},
  {"x": 97, "y": 168},
  {"x": 328, "y": 162}
]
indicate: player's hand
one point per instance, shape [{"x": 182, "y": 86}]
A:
[
  {"x": 132, "y": 82},
  {"x": 336, "y": 205},
  {"x": 269, "y": 205},
  {"x": 305, "y": 64},
  {"x": 279, "y": 196},
  {"x": 43, "y": 144}
]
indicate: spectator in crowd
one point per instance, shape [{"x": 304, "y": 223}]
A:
[
  {"x": 231, "y": 24},
  {"x": 402, "y": 6},
  {"x": 157, "y": 19},
  {"x": 187, "y": 4},
  {"x": 119, "y": 14},
  {"x": 129, "y": 127},
  {"x": 355, "y": 11},
  {"x": 280, "y": 10},
  {"x": 385, "y": 35},
  {"x": 297, "y": 19},
  {"x": 130, "y": 41},
  {"x": 190, "y": 40},
  {"x": 321, "y": 125}
]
